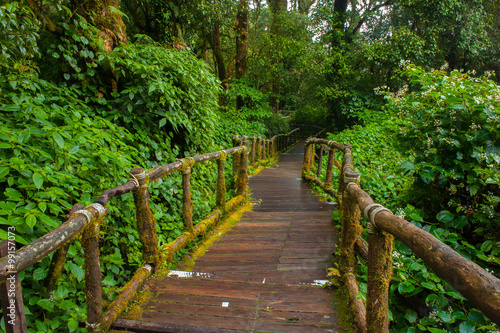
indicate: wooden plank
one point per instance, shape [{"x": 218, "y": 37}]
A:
[{"x": 263, "y": 274}]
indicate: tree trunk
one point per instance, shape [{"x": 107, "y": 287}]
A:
[
  {"x": 241, "y": 45},
  {"x": 214, "y": 41},
  {"x": 107, "y": 20}
]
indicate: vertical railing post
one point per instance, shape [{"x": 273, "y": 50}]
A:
[
  {"x": 307, "y": 159},
  {"x": 258, "y": 148},
  {"x": 311, "y": 157},
  {"x": 329, "y": 167},
  {"x": 351, "y": 231},
  {"x": 264, "y": 149},
  {"x": 187, "y": 203},
  {"x": 236, "y": 160},
  {"x": 320, "y": 159},
  {"x": 93, "y": 279},
  {"x": 252, "y": 156},
  {"x": 146, "y": 224},
  {"x": 243, "y": 171},
  {"x": 11, "y": 294},
  {"x": 379, "y": 278},
  {"x": 221, "y": 182}
]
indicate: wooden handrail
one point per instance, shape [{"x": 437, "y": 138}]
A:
[
  {"x": 87, "y": 222},
  {"x": 481, "y": 288}
]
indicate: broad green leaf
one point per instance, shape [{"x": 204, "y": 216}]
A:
[
  {"x": 77, "y": 271},
  {"x": 39, "y": 274},
  {"x": 38, "y": 180},
  {"x": 460, "y": 222},
  {"x": 163, "y": 121},
  {"x": 486, "y": 246},
  {"x": 74, "y": 149},
  {"x": 58, "y": 139},
  {"x": 31, "y": 220},
  {"x": 72, "y": 325},
  {"x": 5, "y": 145},
  {"x": 4, "y": 171},
  {"x": 46, "y": 304},
  {"x": 467, "y": 327}
]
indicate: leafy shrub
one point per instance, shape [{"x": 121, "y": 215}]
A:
[{"x": 450, "y": 124}]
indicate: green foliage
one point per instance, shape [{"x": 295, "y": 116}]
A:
[{"x": 450, "y": 124}]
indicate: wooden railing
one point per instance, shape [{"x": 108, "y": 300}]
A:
[
  {"x": 481, "y": 288},
  {"x": 86, "y": 222}
]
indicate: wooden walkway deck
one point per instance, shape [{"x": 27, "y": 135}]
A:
[{"x": 264, "y": 275}]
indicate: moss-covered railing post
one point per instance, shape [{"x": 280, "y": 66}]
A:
[
  {"x": 252, "y": 153},
  {"x": 236, "y": 160},
  {"x": 351, "y": 231},
  {"x": 379, "y": 274},
  {"x": 329, "y": 167},
  {"x": 258, "y": 148},
  {"x": 221, "y": 182},
  {"x": 243, "y": 171},
  {"x": 187, "y": 203},
  {"x": 307, "y": 159},
  {"x": 146, "y": 224},
  {"x": 320, "y": 159},
  {"x": 93, "y": 279}
]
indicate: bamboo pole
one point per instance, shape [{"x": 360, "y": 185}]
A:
[{"x": 146, "y": 224}]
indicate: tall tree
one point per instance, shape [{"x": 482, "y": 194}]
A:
[{"x": 241, "y": 45}]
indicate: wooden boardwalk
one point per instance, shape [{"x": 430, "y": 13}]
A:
[{"x": 263, "y": 275}]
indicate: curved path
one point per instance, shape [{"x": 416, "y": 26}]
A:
[{"x": 263, "y": 275}]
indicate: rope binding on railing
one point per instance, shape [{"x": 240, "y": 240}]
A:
[{"x": 370, "y": 216}]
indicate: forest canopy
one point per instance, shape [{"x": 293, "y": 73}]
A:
[{"x": 89, "y": 89}]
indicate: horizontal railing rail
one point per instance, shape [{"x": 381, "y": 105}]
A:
[
  {"x": 86, "y": 222},
  {"x": 477, "y": 285}
]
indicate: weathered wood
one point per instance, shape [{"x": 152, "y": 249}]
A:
[
  {"x": 351, "y": 231},
  {"x": 481, "y": 288},
  {"x": 258, "y": 148},
  {"x": 236, "y": 160},
  {"x": 306, "y": 165},
  {"x": 48, "y": 243},
  {"x": 329, "y": 167},
  {"x": 187, "y": 203},
  {"x": 252, "y": 153},
  {"x": 162, "y": 171},
  {"x": 59, "y": 257},
  {"x": 126, "y": 295},
  {"x": 114, "y": 192},
  {"x": 361, "y": 248},
  {"x": 356, "y": 304},
  {"x": 243, "y": 172},
  {"x": 11, "y": 295},
  {"x": 379, "y": 278},
  {"x": 146, "y": 224},
  {"x": 93, "y": 279},
  {"x": 221, "y": 184},
  {"x": 320, "y": 159}
]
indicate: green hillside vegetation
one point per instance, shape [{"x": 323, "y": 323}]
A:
[{"x": 90, "y": 90}]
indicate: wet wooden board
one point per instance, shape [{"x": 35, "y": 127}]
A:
[{"x": 263, "y": 275}]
